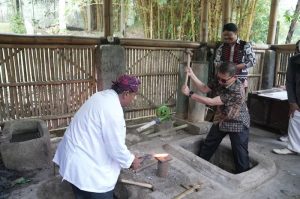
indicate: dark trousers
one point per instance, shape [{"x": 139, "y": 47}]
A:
[
  {"x": 239, "y": 145},
  {"x": 79, "y": 194}
]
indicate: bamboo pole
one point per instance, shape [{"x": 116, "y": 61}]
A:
[
  {"x": 192, "y": 20},
  {"x": 204, "y": 21},
  {"x": 226, "y": 9},
  {"x": 108, "y": 16},
  {"x": 41, "y": 39},
  {"x": 159, "y": 43},
  {"x": 272, "y": 21}
]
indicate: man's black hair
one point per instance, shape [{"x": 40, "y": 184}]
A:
[
  {"x": 116, "y": 88},
  {"x": 230, "y": 27},
  {"x": 227, "y": 67}
]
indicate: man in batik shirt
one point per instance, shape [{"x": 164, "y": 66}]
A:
[
  {"x": 232, "y": 116},
  {"x": 237, "y": 51}
]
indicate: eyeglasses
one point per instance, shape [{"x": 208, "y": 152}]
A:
[{"x": 224, "y": 81}]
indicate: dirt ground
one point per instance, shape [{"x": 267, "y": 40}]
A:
[{"x": 285, "y": 184}]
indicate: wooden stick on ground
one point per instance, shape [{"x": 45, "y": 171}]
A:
[
  {"x": 164, "y": 132},
  {"x": 141, "y": 184},
  {"x": 188, "y": 191}
]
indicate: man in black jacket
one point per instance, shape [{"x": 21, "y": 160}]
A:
[{"x": 293, "y": 90}]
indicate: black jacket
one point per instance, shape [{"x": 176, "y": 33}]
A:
[{"x": 293, "y": 80}]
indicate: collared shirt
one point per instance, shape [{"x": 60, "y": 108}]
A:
[
  {"x": 293, "y": 80},
  {"x": 233, "y": 115},
  {"x": 93, "y": 151},
  {"x": 240, "y": 52}
]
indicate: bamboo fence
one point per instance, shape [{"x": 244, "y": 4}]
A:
[
  {"x": 283, "y": 53},
  {"x": 50, "y": 77},
  {"x": 49, "y": 81},
  {"x": 158, "y": 71}
]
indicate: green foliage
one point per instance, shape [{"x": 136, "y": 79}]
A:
[
  {"x": 161, "y": 2},
  {"x": 17, "y": 24},
  {"x": 259, "y": 31},
  {"x": 289, "y": 16}
]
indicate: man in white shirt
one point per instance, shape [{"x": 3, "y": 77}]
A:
[{"x": 93, "y": 151}]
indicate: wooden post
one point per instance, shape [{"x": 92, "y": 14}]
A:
[
  {"x": 226, "y": 8},
  {"x": 108, "y": 18},
  {"x": 277, "y": 32},
  {"x": 110, "y": 63},
  {"x": 204, "y": 21},
  {"x": 272, "y": 22}
]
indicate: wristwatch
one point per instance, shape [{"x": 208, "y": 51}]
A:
[{"x": 191, "y": 93}]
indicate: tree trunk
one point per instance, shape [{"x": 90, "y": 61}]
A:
[{"x": 293, "y": 23}]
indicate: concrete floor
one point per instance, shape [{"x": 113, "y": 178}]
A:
[{"x": 285, "y": 182}]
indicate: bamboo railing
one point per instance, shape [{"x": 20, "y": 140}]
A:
[
  {"x": 49, "y": 77},
  {"x": 283, "y": 53},
  {"x": 156, "y": 63},
  {"x": 158, "y": 71},
  {"x": 45, "y": 77}
]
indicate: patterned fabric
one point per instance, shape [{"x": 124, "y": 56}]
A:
[
  {"x": 233, "y": 115},
  {"x": 240, "y": 52},
  {"x": 127, "y": 83}
]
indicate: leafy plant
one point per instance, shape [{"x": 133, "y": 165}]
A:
[{"x": 17, "y": 24}]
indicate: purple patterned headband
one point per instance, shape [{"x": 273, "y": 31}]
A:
[{"x": 127, "y": 83}]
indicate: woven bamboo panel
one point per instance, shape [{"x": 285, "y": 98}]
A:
[
  {"x": 157, "y": 68},
  {"x": 255, "y": 72},
  {"x": 282, "y": 60},
  {"x": 47, "y": 82}
]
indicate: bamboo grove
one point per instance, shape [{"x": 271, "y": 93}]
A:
[
  {"x": 180, "y": 19},
  {"x": 171, "y": 19}
]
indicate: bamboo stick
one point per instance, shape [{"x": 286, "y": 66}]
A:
[{"x": 141, "y": 184}]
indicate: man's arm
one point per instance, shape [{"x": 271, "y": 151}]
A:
[
  {"x": 216, "y": 101},
  {"x": 202, "y": 99},
  {"x": 198, "y": 83},
  {"x": 290, "y": 82},
  {"x": 114, "y": 134},
  {"x": 290, "y": 87},
  {"x": 250, "y": 59}
]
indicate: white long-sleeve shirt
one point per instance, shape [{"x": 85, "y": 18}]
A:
[{"x": 93, "y": 151}]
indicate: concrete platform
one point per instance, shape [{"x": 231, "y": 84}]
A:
[{"x": 279, "y": 177}]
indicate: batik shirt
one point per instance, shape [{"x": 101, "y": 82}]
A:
[
  {"x": 240, "y": 52},
  {"x": 233, "y": 115}
]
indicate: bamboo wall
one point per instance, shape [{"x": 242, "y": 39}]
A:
[
  {"x": 50, "y": 77},
  {"x": 255, "y": 73},
  {"x": 158, "y": 71},
  {"x": 283, "y": 53},
  {"x": 45, "y": 81}
]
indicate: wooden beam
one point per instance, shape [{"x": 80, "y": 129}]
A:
[
  {"x": 159, "y": 43},
  {"x": 272, "y": 21},
  {"x": 204, "y": 21},
  {"x": 226, "y": 8},
  {"x": 49, "y": 39},
  {"x": 108, "y": 31}
]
